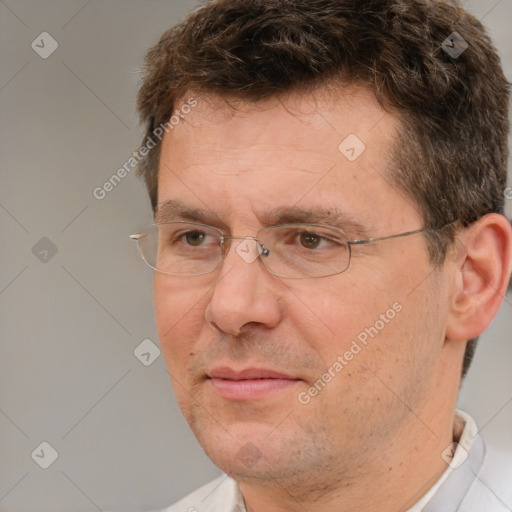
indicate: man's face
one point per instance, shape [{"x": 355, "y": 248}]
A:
[{"x": 245, "y": 348}]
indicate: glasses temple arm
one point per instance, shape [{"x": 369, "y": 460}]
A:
[{"x": 390, "y": 237}]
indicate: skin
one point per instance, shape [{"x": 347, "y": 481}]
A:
[{"x": 373, "y": 437}]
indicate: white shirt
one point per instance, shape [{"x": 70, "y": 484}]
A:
[{"x": 478, "y": 479}]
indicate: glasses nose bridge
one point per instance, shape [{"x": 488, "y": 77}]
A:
[{"x": 225, "y": 242}]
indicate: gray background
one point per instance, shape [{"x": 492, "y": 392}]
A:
[{"x": 70, "y": 324}]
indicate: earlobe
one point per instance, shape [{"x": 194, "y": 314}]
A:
[{"x": 482, "y": 273}]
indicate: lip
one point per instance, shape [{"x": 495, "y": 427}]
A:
[
  {"x": 248, "y": 383},
  {"x": 227, "y": 373}
]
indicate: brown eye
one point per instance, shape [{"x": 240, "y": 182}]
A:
[
  {"x": 195, "y": 238},
  {"x": 310, "y": 240}
]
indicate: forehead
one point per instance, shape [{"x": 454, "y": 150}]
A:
[
  {"x": 329, "y": 149},
  {"x": 281, "y": 122}
]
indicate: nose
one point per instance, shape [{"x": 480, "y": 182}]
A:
[{"x": 245, "y": 292}]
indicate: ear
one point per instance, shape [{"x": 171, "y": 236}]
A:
[{"x": 481, "y": 276}]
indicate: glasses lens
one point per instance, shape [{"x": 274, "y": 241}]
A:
[
  {"x": 295, "y": 251},
  {"x": 305, "y": 251},
  {"x": 181, "y": 248}
]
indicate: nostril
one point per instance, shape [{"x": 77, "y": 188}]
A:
[{"x": 216, "y": 326}]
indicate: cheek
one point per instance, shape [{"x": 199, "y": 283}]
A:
[
  {"x": 334, "y": 311},
  {"x": 369, "y": 319},
  {"x": 179, "y": 314}
]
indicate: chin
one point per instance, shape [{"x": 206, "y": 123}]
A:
[{"x": 257, "y": 452}]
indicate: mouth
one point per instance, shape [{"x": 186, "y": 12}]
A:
[{"x": 249, "y": 383}]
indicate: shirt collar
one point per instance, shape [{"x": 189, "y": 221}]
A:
[{"x": 450, "y": 490}]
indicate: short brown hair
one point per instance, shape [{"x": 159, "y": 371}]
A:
[{"x": 451, "y": 153}]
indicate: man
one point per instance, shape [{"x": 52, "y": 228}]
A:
[{"x": 328, "y": 184}]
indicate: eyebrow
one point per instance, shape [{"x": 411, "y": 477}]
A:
[
  {"x": 172, "y": 210},
  {"x": 315, "y": 215}
]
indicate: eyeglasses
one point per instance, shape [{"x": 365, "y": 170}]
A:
[{"x": 292, "y": 251}]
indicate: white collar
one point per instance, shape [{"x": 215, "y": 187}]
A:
[{"x": 451, "y": 488}]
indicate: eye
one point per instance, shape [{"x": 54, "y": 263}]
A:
[
  {"x": 194, "y": 238},
  {"x": 307, "y": 239},
  {"x": 310, "y": 240}
]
